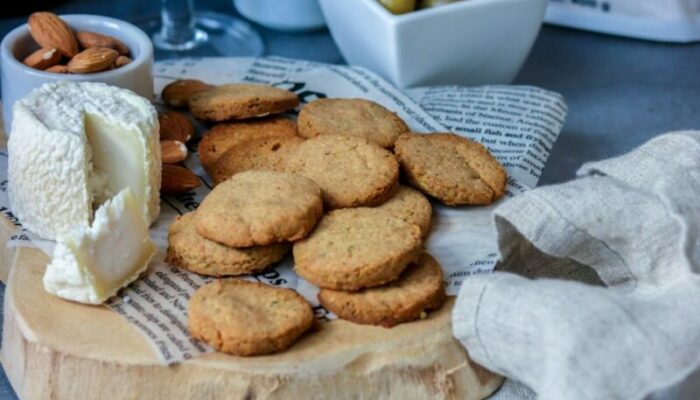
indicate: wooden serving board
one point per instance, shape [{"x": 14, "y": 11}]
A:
[
  {"x": 58, "y": 349},
  {"x": 62, "y": 350}
]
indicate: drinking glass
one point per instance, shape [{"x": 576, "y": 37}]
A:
[{"x": 182, "y": 32}]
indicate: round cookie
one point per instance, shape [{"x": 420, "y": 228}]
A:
[
  {"x": 264, "y": 154},
  {"x": 248, "y": 318},
  {"x": 354, "y": 248},
  {"x": 411, "y": 206},
  {"x": 259, "y": 208},
  {"x": 223, "y": 136},
  {"x": 420, "y": 288},
  {"x": 351, "y": 117},
  {"x": 241, "y": 101},
  {"x": 189, "y": 250},
  {"x": 176, "y": 94},
  {"x": 453, "y": 169},
  {"x": 351, "y": 171}
]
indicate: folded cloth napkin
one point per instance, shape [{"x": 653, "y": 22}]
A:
[{"x": 597, "y": 294}]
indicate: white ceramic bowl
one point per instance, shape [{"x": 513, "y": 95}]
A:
[
  {"x": 18, "y": 79},
  {"x": 283, "y": 15},
  {"x": 470, "y": 42}
]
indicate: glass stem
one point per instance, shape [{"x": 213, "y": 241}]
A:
[{"x": 178, "y": 22}]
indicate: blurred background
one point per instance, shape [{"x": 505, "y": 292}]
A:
[{"x": 620, "y": 91}]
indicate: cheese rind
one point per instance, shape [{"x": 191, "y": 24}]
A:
[
  {"x": 60, "y": 144},
  {"x": 91, "y": 265}
]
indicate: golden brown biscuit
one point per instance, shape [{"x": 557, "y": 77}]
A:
[
  {"x": 356, "y": 248},
  {"x": 419, "y": 289},
  {"x": 351, "y": 171},
  {"x": 241, "y": 101},
  {"x": 248, "y": 318},
  {"x": 176, "y": 94},
  {"x": 222, "y": 136},
  {"x": 259, "y": 208},
  {"x": 411, "y": 206},
  {"x": 351, "y": 117},
  {"x": 189, "y": 250},
  {"x": 453, "y": 169},
  {"x": 263, "y": 154}
]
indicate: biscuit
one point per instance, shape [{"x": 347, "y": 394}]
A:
[
  {"x": 453, "y": 169},
  {"x": 351, "y": 117},
  {"x": 176, "y": 94},
  {"x": 355, "y": 248},
  {"x": 351, "y": 171},
  {"x": 241, "y": 101},
  {"x": 248, "y": 318},
  {"x": 189, "y": 250},
  {"x": 263, "y": 154},
  {"x": 259, "y": 208},
  {"x": 419, "y": 289},
  {"x": 223, "y": 136},
  {"x": 411, "y": 206}
]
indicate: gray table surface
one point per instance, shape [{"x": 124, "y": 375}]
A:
[{"x": 620, "y": 92}]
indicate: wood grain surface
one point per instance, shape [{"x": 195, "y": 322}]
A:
[{"x": 58, "y": 349}]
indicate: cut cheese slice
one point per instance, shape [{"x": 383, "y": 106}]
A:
[
  {"x": 72, "y": 146},
  {"x": 91, "y": 265},
  {"x": 117, "y": 153}
]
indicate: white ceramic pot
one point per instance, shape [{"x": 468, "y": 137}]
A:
[
  {"x": 18, "y": 79},
  {"x": 470, "y": 42},
  {"x": 285, "y": 15}
]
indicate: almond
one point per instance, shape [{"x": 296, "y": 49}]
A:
[
  {"x": 58, "y": 69},
  {"x": 43, "y": 58},
  {"x": 178, "y": 180},
  {"x": 121, "y": 61},
  {"x": 175, "y": 126},
  {"x": 172, "y": 151},
  {"x": 51, "y": 32},
  {"x": 93, "y": 39},
  {"x": 94, "y": 59},
  {"x": 178, "y": 93}
]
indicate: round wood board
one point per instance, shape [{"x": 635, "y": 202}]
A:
[
  {"x": 52, "y": 348},
  {"x": 63, "y": 350}
]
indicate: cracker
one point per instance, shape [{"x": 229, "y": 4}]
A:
[
  {"x": 356, "y": 248},
  {"x": 241, "y": 101},
  {"x": 351, "y": 171},
  {"x": 419, "y": 289},
  {"x": 262, "y": 154},
  {"x": 410, "y": 205},
  {"x": 248, "y": 318},
  {"x": 351, "y": 117},
  {"x": 189, "y": 250},
  {"x": 223, "y": 136},
  {"x": 453, "y": 169},
  {"x": 257, "y": 208}
]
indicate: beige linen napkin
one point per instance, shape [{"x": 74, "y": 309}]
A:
[{"x": 598, "y": 293}]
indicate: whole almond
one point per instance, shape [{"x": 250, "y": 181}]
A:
[
  {"x": 94, "y": 59},
  {"x": 121, "y": 61},
  {"x": 175, "y": 126},
  {"x": 89, "y": 39},
  {"x": 178, "y": 180},
  {"x": 172, "y": 151},
  {"x": 51, "y": 32},
  {"x": 177, "y": 94},
  {"x": 43, "y": 58},
  {"x": 58, "y": 69}
]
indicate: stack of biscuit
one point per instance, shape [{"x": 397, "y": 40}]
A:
[{"x": 327, "y": 186}]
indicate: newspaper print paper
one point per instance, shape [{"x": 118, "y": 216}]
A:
[{"x": 518, "y": 124}]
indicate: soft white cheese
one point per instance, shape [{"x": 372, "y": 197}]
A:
[
  {"x": 91, "y": 264},
  {"x": 72, "y": 146}
]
